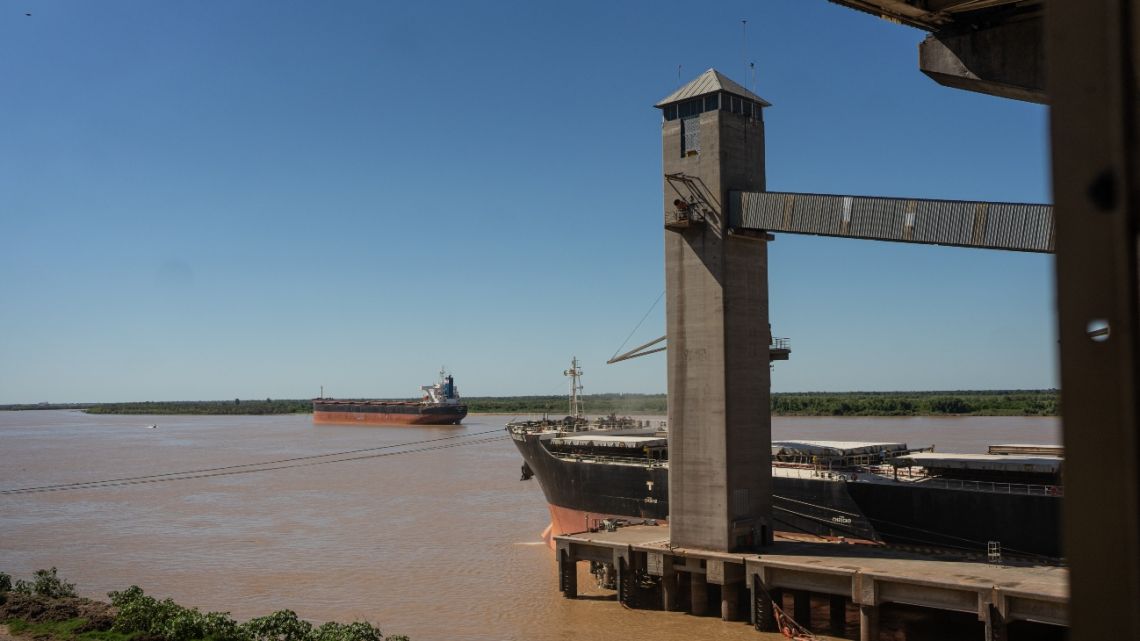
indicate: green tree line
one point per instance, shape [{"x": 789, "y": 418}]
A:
[{"x": 947, "y": 403}]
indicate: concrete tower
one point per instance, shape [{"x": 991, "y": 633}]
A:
[{"x": 716, "y": 282}]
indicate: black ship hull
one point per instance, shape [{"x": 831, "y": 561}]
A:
[{"x": 582, "y": 492}]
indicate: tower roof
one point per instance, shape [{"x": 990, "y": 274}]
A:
[{"x": 708, "y": 82}]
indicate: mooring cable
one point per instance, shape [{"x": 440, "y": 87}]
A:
[
  {"x": 204, "y": 472},
  {"x": 638, "y": 326}
]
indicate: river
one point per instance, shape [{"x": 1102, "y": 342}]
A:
[{"x": 436, "y": 544}]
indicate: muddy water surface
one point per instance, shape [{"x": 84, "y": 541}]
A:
[{"x": 433, "y": 543}]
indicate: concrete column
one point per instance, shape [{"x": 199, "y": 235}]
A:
[
  {"x": 684, "y": 592},
  {"x": 716, "y": 311},
  {"x": 838, "y": 614},
  {"x": 729, "y": 602},
  {"x": 995, "y": 625},
  {"x": 567, "y": 575},
  {"x": 698, "y": 591},
  {"x": 669, "y": 590},
  {"x": 802, "y": 608},
  {"x": 868, "y": 623}
]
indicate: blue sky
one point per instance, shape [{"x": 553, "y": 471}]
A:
[{"x": 253, "y": 199}]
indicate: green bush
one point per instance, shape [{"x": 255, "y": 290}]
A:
[
  {"x": 356, "y": 631},
  {"x": 141, "y": 613},
  {"x": 5, "y": 582},
  {"x": 168, "y": 621},
  {"x": 48, "y": 583},
  {"x": 282, "y": 625}
]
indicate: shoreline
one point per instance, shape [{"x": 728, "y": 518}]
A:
[{"x": 806, "y": 404}]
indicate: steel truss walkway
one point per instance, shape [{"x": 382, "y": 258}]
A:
[{"x": 959, "y": 223}]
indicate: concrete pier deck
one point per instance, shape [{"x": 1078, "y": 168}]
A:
[{"x": 867, "y": 576}]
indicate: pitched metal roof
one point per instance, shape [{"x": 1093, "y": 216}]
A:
[
  {"x": 988, "y": 462},
  {"x": 708, "y": 82}
]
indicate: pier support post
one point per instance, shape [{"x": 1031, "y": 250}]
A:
[
  {"x": 763, "y": 616},
  {"x": 868, "y": 623},
  {"x": 802, "y": 608},
  {"x": 567, "y": 575},
  {"x": 684, "y": 585},
  {"x": 729, "y": 602},
  {"x": 669, "y": 589},
  {"x": 699, "y": 591},
  {"x": 624, "y": 582},
  {"x": 838, "y": 614},
  {"x": 995, "y": 625}
]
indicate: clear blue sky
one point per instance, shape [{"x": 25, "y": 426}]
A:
[{"x": 252, "y": 199}]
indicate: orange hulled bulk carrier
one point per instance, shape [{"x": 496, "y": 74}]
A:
[{"x": 440, "y": 406}]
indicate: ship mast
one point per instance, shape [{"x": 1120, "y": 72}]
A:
[{"x": 575, "y": 374}]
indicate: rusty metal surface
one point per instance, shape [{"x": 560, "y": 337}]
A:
[{"x": 960, "y": 223}]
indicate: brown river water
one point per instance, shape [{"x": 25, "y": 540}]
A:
[{"x": 435, "y": 544}]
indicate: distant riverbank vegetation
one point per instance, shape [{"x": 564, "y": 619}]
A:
[
  {"x": 236, "y": 406},
  {"x": 956, "y": 403},
  {"x": 47, "y": 608},
  {"x": 962, "y": 403}
]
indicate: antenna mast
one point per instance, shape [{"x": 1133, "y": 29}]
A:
[
  {"x": 575, "y": 374},
  {"x": 744, "y": 46}
]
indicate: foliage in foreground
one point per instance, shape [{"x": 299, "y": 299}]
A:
[
  {"x": 169, "y": 621},
  {"x": 45, "y": 583},
  {"x": 139, "y": 616}
]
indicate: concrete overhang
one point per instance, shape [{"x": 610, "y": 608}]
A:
[{"x": 986, "y": 46}]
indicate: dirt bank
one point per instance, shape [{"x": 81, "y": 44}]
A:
[{"x": 38, "y": 609}]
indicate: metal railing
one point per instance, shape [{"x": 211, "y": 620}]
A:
[
  {"x": 991, "y": 486},
  {"x": 626, "y": 460},
  {"x": 886, "y": 473}
]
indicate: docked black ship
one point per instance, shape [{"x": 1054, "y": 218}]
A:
[{"x": 598, "y": 472}]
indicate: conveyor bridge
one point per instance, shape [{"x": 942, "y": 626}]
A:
[{"x": 959, "y": 223}]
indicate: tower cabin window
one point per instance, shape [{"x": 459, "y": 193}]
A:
[
  {"x": 688, "y": 111},
  {"x": 712, "y": 102},
  {"x": 690, "y": 136}
]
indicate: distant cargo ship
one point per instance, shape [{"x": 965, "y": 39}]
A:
[{"x": 439, "y": 406}]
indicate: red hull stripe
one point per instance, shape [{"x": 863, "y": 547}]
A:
[
  {"x": 384, "y": 419},
  {"x": 564, "y": 520}
]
